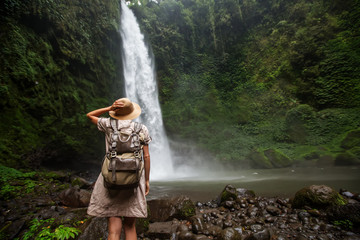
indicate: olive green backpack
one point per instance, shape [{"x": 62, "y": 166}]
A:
[{"x": 123, "y": 165}]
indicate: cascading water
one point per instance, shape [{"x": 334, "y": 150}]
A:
[{"x": 141, "y": 87}]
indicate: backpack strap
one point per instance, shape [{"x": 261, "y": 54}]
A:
[
  {"x": 113, "y": 153},
  {"x": 136, "y": 140}
]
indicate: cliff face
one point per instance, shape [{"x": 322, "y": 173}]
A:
[{"x": 59, "y": 60}]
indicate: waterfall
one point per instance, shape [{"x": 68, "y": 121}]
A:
[{"x": 141, "y": 87}]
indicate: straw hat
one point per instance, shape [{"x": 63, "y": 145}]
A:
[{"x": 127, "y": 111}]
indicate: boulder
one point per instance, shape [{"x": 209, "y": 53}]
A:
[
  {"x": 269, "y": 158},
  {"x": 348, "y": 212},
  {"x": 244, "y": 193},
  {"x": 162, "y": 230},
  {"x": 277, "y": 159},
  {"x": 75, "y": 197},
  {"x": 81, "y": 182},
  {"x": 198, "y": 225},
  {"x": 228, "y": 194},
  {"x": 317, "y": 196},
  {"x": 97, "y": 229},
  {"x": 259, "y": 160},
  {"x": 162, "y": 210},
  {"x": 352, "y": 139}
]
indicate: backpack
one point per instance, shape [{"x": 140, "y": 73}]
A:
[{"x": 123, "y": 165}]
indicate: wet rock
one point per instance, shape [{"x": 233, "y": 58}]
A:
[
  {"x": 97, "y": 229},
  {"x": 317, "y": 196},
  {"x": 256, "y": 228},
  {"x": 162, "y": 210},
  {"x": 273, "y": 210},
  {"x": 262, "y": 235},
  {"x": 244, "y": 193},
  {"x": 75, "y": 197},
  {"x": 186, "y": 235},
  {"x": 81, "y": 182},
  {"x": 214, "y": 230},
  {"x": 162, "y": 230},
  {"x": 201, "y": 237},
  {"x": 229, "y": 234},
  {"x": 350, "y": 212},
  {"x": 197, "y": 223},
  {"x": 14, "y": 228},
  {"x": 228, "y": 194}
]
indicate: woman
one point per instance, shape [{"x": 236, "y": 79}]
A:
[{"x": 122, "y": 207}]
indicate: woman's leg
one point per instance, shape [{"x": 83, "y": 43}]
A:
[
  {"x": 129, "y": 228},
  {"x": 114, "y": 227}
]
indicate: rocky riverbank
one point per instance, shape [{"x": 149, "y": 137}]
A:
[{"x": 55, "y": 207}]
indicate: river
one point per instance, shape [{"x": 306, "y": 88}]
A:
[{"x": 282, "y": 182}]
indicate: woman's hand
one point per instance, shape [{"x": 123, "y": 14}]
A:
[
  {"x": 116, "y": 104},
  {"x": 147, "y": 189}
]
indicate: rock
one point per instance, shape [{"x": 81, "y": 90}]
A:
[
  {"x": 261, "y": 235},
  {"x": 75, "y": 197},
  {"x": 346, "y": 159},
  {"x": 277, "y": 159},
  {"x": 244, "y": 193},
  {"x": 229, "y": 234},
  {"x": 348, "y": 212},
  {"x": 228, "y": 194},
  {"x": 162, "y": 230},
  {"x": 273, "y": 210},
  {"x": 97, "y": 229},
  {"x": 352, "y": 139},
  {"x": 317, "y": 196},
  {"x": 214, "y": 230},
  {"x": 14, "y": 228},
  {"x": 198, "y": 225},
  {"x": 259, "y": 160},
  {"x": 186, "y": 236},
  {"x": 162, "y": 210},
  {"x": 81, "y": 182}
]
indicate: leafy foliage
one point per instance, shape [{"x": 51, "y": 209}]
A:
[
  {"x": 45, "y": 229},
  {"x": 238, "y": 75}
]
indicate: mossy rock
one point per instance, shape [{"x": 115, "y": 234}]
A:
[
  {"x": 346, "y": 159},
  {"x": 317, "y": 196},
  {"x": 227, "y": 194},
  {"x": 259, "y": 160},
  {"x": 277, "y": 159},
  {"x": 352, "y": 139}
]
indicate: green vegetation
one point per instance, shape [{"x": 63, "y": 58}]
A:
[
  {"x": 346, "y": 224},
  {"x": 45, "y": 229},
  {"x": 234, "y": 76},
  {"x": 16, "y": 184},
  {"x": 57, "y": 63}
]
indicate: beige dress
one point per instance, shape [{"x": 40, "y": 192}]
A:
[{"x": 127, "y": 202}]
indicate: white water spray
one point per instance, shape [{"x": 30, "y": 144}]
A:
[{"x": 141, "y": 87}]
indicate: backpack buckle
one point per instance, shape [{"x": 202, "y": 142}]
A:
[
  {"x": 113, "y": 154},
  {"x": 137, "y": 154}
]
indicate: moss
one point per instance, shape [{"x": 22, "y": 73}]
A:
[
  {"x": 309, "y": 197},
  {"x": 259, "y": 160},
  {"x": 352, "y": 139},
  {"x": 277, "y": 158},
  {"x": 187, "y": 209}
]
